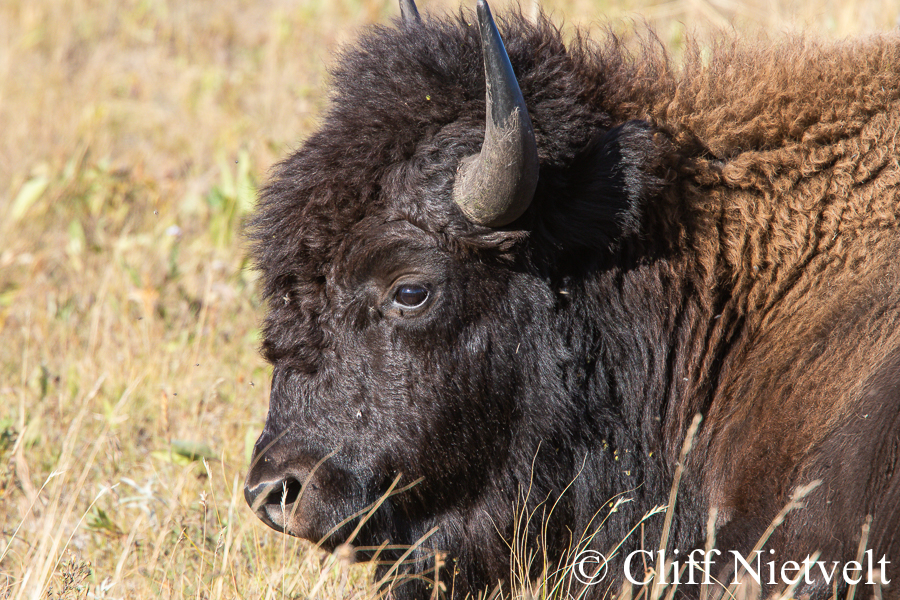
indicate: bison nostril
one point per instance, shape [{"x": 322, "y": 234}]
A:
[
  {"x": 286, "y": 497},
  {"x": 287, "y": 492}
]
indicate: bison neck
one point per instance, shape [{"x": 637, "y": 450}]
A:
[
  {"x": 794, "y": 304},
  {"x": 774, "y": 317}
]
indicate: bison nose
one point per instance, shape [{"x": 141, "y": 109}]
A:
[
  {"x": 299, "y": 493},
  {"x": 286, "y": 488},
  {"x": 282, "y": 494},
  {"x": 275, "y": 501}
]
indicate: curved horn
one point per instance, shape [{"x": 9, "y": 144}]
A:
[
  {"x": 409, "y": 12},
  {"x": 495, "y": 186}
]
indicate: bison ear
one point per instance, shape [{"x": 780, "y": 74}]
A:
[{"x": 603, "y": 196}]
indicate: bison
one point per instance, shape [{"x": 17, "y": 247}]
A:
[{"x": 506, "y": 272}]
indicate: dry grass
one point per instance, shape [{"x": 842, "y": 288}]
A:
[{"x": 132, "y": 135}]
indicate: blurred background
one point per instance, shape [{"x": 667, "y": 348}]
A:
[{"x": 133, "y": 136}]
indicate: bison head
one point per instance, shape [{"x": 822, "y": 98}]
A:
[{"x": 423, "y": 255}]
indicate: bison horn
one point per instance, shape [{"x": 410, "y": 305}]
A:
[
  {"x": 409, "y": 12},
  {"x": 495, "y": 186}
]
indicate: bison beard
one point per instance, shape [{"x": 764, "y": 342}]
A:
[{"x": 721, "y": 239}]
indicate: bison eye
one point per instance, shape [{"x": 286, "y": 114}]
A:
[{"x": 411, "y": 295}]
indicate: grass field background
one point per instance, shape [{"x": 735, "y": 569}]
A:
[{"x": 133, "y": 135}]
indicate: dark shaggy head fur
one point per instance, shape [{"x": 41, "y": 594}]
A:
[{"x": 717, "y": 239}]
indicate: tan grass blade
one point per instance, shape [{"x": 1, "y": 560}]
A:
[{"x": 670, "y": 511}]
